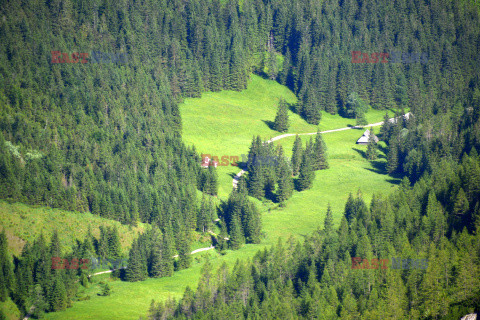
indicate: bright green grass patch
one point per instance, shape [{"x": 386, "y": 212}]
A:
[
  {"x": 349, "y": 172},
  {"x": 25, "y": 223},
  {"x": 10, "y": 310},
  {"x": 223, "y": 123}
]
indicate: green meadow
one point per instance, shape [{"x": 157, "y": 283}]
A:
[
  {"x": 25, "y": 223},
  {"x": 223, "y": 123}
]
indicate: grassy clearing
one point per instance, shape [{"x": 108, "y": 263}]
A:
[
  {"x": 223, "y": 124},
  {"x": 10, "y": 310},
  {"x": 25, "y": 223}
]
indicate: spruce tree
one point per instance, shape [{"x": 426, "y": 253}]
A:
[
  {"x": 167, "y": 265},
  {"x": 371, "y": 147},
  {"x": 281, "y": 119},
  {"x": 58, "y": 297},
  {"x": 297, "y": 152},
  {"x": 236, "y": 233},
  {"x": 155, "y": 267},
  {"x": 284, "y": 180},
  {"x": 183, "y": 248},
  {"x": 319, "y": 153},
  {"x": 253, "y": 223},
  {"x": 328, "y": 223},
  {"x": 392, "y": 156},
  {"x": 307, "y": 175},
  {"x": 114, "y": 246},
  {"x": 136, "y": 269},
  {"x": 203, "y": 215},
  {"x": 6, "y": 269}
]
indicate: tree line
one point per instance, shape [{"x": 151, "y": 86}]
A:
[{"x": 316, "y": 278}]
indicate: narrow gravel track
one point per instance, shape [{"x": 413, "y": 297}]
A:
[{"x": 238, "y": 175}]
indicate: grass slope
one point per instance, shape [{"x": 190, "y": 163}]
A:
[
  {"x": 25, "y": 223},
  {"x": 223, "y": 123}
]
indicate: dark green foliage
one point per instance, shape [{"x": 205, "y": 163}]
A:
[
  {"x": 284, "y": 176},
  {"x": 315, "y": 278},
  {"x": 241, "y": 217},
  {"x": 261, "y": 165},
  {"x": 307, "y": 173},
  {"x": 281, "y": 119},
  {"x": 7, "y": 280},
  {"x": 328, "y": 223},
  {"x": 237, "y": 237},
  {"x": 137, "y": 266},
  {"x": 106, "y": 290},
  {"x": 355, "y": 108},
  {"x": 206, "y": 214},
  {"x": 297, "y": 152},
  {"x": 58, "y": 296},
  {"x": 371, "y": 147},
  {"x": 319, "y": 155},
  {"x": 183, "y": 249}
]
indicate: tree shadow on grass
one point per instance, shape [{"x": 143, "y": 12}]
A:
[
  {"x": 382, "y": 149},
  {"x": 361, "y": 152},
  {"x": 394, "y": 181},
  {"x": 379, "y": 167},
  {"x": 270, "y": 124}
]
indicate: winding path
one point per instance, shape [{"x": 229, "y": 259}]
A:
[{"x": 238, "y": 175}]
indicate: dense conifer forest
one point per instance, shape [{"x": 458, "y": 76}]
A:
[{"x": 106, "y": 137}]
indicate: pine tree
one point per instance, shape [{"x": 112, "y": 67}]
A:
[
  {"x": 328, "y": 223},
  {"x": 252, "y": 223},
  {"x": 204, "y": 215},
  {"x": 461, "y": 203},
  {"x": 106, "y": 290},
  {"x": 256, "y": 183},
  {"x": 392, "y": 157},
  {"x": 284, "y": 180},
  {"x": 371, "y": 147},
  {"x": 319, "y": 153},
  {"x": 114, "y": 246},
  {"x": 6, "y": 270},
  {"x": 183, "y": 248},
  {"x": 236, "y": 233},
  {"x": 307, "y": 175},
  {"x": 102, "y": 249},
  {"x": 167, "y": 265},
  {"x": 137, "y": 269},
  {"x": 281, "y": 119},
  {"x": 297, "y": 152},
  {"x": 212, "y": 181},
  {"x": 155, "y": 267},
  {"x": 58, "y": 297}
]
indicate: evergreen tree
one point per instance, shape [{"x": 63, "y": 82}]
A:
[
  {"x": 307, "y": 175},
  {"x": 137, "y": 269},
  {"x": 155, "y": 267},
  {"x": 319, "y": 153},
  {"x": 284, "y": 180},
  {"x": 392, "y": 157},
  {"x": 328, "y": 223},
  {"x": 167, "y": 262},
  {"x": 6, "y": 271},
  {"x": 236, "y": 233},
  {"x": 297, "y": 152},
  {"x": 371, "y": 147},
  {"x": 106, "y": 290},
  {"x": 114, "y": 246},
  {"x": 58, "y": 297},
  {"x": 183, "y": 248},
  {"x": 281, "y": 119}
]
